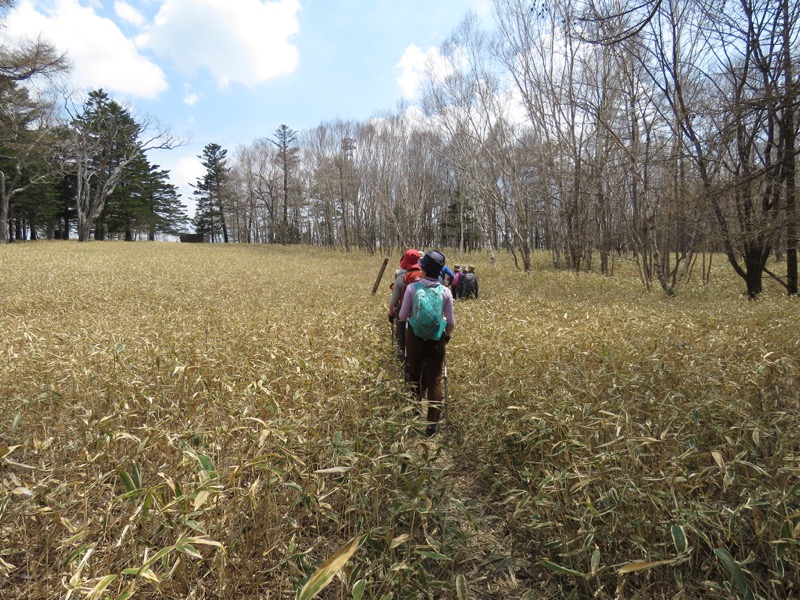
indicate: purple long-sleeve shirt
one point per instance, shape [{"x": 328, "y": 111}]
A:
[{"x": 447, "y": 301}]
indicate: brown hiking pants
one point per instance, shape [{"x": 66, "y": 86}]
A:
[{"x": 426, "y": 356}]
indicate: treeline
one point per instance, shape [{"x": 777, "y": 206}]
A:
[
  {"x": 660, "y": 130},
  {"x": 664, "y": 130},
  {"x": 90, "y": 174}
]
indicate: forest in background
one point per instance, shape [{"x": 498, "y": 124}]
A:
[{"x": 665, "y": 130}]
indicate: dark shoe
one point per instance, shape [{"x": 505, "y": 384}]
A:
[{"x": 432, "y": 429}]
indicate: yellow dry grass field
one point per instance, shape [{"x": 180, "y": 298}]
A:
[{"x": 209, "y": 421}]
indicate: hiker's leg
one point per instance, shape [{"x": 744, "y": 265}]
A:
[
  {"x": 407, "y": 333},
  {"x": 414, "y": 363},
  {"x": 434, "y": 364},
  {"x": 401, "y": 339}
]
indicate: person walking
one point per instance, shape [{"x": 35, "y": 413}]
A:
[
  {"x": 427, "y": 308},
  {"x": 408, "y": 272},
  {"x": 469, "y": 283},
  {"x": 446, "y": 276},
  {"x": 455, "y": 286}
]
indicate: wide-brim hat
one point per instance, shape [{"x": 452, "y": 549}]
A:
[
  {"x": 432, "y": 263},
  {"x": 410, "y": 259}
]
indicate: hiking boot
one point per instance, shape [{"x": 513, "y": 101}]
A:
[{"x": 432, "y": 429}]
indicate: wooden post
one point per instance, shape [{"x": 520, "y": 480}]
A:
[{"x": 380, "y": 276}]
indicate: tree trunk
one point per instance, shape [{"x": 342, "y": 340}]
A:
[
  {"x": 3, "y": 219},
  {"x": 789, "y": 157},
  {"x": 84, "y": 229}
]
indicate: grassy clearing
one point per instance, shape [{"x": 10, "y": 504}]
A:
[{"x": 215, "y": 422}]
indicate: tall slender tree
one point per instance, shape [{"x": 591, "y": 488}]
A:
[
  {"x": 288, "y": 158},
  {"x": 210, "y": 191},
  {"x": 168, "y": 213}
]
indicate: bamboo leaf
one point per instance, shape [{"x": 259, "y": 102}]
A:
[
  {"x": 73, "y": 582},
  {"x": 462, "y": 593},
  {"x": 333, "y": 470},
  {"x": 433, "y": 555},
  {"x": 320, "y": 579},
  {"x": 679, "y": 538},
  {"x": 559, "y": 569},
  {"x": 136, "y": 475},
  {"x": 127, "y": 482},
  {"x": 203, "y": 541},
  {"x": 595, "y": 561},
  {"x": 632, "y": 567},
  {"x": 358, "y": 589},
  {"x": 208, "y": 465},
  {"x": 101, "y": 585},
  {"x": 719, "y": 460},
  {"x": 743, "y": 590},
  {"x": 145, "y": 573},
  {"x": 399, "y": 540},
  {"x": 156, "y": 557},
  {"x": 200, "y": 499},
  {"x": 189, "y": 550}
]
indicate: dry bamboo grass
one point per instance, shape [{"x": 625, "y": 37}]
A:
[{"x": 215, "y": 421}]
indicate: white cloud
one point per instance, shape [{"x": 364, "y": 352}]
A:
[
  {"x": 413, "y": 66},
  {"x": 101, "y": 55},
  {"x": 191, "y": 98},
  {"x": 246, "y": 41},
  {"x": 128, "y": 13}
]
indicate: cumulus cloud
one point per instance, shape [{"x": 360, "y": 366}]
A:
[
  {"x": 191, "y": 98},
  {"x": 101, "y": 55},
  {"x": 413, "y": 66},
  {"x": 247, "y": 41}
]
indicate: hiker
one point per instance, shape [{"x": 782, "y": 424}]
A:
[
  {"x": 455, "y": 286},
  {"x": 469, "y": 283},
  {"x": 428, "y": 309},
  {"x": 446, "y": 276},
  {"x": 409, "y": 269}
]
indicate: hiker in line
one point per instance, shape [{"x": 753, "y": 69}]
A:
[
  {"x": 408, "y": 270},
  {"x": 469, "y": 283},
  {"x": 428, "y": 309},
  {"x": 446, "y": 276},
  {"x": 455, "y": 286}
]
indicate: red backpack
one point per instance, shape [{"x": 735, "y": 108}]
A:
[{"x": 411, "y": 277}]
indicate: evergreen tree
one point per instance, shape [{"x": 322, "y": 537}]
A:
[
  {"x": 169, "y": 214},
  {"x": 209, "y": 192},
  {"x": 105, "y": 143},
  {"x": 128, "y": 209},
  {"x": 288, "y": 159}
]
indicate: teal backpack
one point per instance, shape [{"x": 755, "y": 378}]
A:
[{"x": 427, "y": 320}]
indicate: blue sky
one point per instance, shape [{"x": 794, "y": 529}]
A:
[{"x": 231, "y": 71}]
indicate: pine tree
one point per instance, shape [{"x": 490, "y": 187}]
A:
[
  {"x": 105, "y": 143},
  {"x": 288, "y": 159},
  {"x": 169, "y": 213},
  {"x": 209, "y": 192}
]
